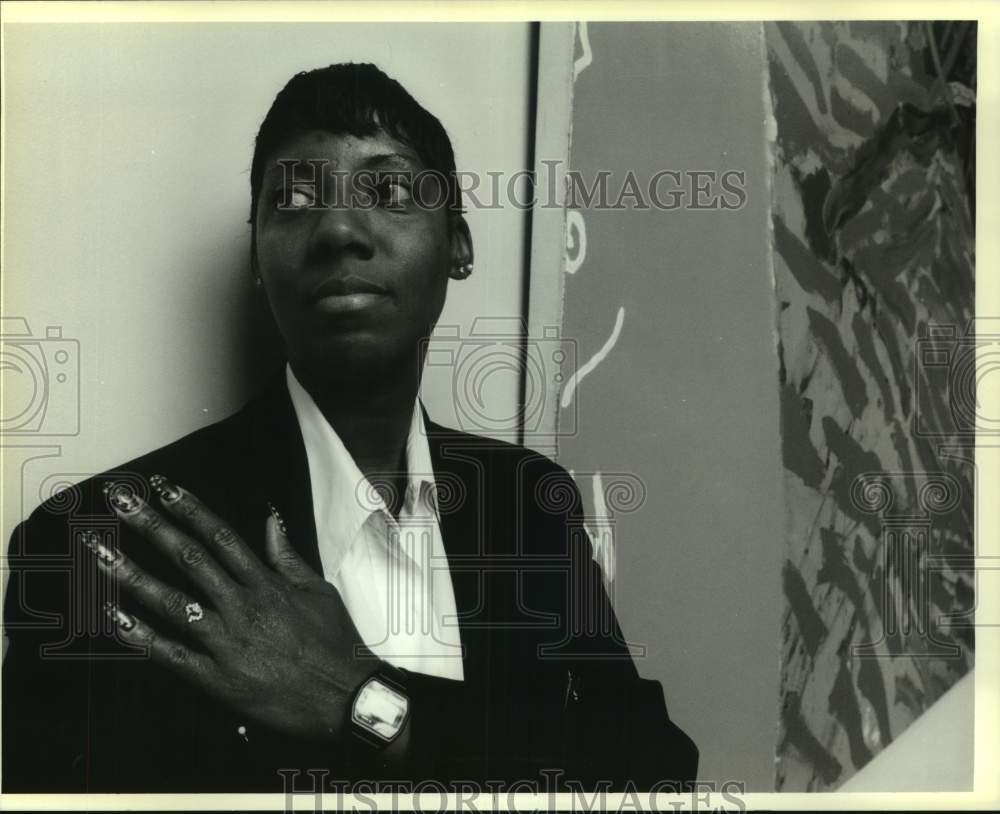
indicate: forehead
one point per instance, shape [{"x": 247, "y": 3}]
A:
[{"x": 344, "y": 151}]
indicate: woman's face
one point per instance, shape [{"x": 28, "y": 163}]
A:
[{"x": 354, "y": 284}]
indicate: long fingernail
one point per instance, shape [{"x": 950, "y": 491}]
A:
[
  {"x": 278, "y": 519},
  {"x": 165, "y": 489},
  {"x": 122, "y": 497},
  {"x": 105, "y": 555},
  {"x": 120, "y": 618}
]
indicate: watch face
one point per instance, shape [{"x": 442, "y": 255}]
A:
[{"x": 380, "y": 709}]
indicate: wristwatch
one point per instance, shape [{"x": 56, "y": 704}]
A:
[{"x": 380, "y": 708}]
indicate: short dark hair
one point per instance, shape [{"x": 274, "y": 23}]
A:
[{"x": 356, "y": 99}]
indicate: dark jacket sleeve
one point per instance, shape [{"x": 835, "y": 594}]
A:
[
  {"x": 617, "y": 726},
  {"x": 46, "y": 669}
]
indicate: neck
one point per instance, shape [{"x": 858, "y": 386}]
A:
[{"x": 372, "y": 419}]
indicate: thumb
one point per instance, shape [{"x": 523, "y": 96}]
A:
[{"x": 281, "y": 555}]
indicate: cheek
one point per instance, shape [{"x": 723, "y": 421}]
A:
[
  {"x": 272, "y": 253},
  {"x": 276, "y": 264},
  {"x": 428, "y": 280}
]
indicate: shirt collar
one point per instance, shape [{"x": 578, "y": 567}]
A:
[{"x": 343, "y": 498}]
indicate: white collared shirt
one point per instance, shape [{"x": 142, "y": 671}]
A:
[{"x": 391, "y": 574}]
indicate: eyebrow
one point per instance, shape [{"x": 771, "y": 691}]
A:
[
  {"x": 391, "y": 160},
  {"x": 402, "y": 160}
]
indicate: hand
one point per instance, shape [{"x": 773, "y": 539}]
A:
[{"x": 273, "y": 641}]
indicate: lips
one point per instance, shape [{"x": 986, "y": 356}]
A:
[{"x": 345, "y": 286}]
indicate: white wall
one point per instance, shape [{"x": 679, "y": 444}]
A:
[
  {"x": 935, "y": 753},
  {"x": 127, "y": 152}
]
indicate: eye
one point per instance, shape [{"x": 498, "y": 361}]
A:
[
  {"x": 299, "y": 196},
  {"x": 393, "y": 192},
  {"x": 302, "y": 197}
]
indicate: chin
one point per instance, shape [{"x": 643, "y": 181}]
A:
[{"x": 363, "y": 358}]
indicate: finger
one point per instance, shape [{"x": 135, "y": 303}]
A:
[
  {"x": 281, "y": 555},
  {"x": 224, "y": 543},
  {"x": 187, "y": 663},
  {"x": 173, "y": 605},
  {"x": 188, "y": 553}
]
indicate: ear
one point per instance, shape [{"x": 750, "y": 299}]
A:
[{"x": 461, "y": 248}]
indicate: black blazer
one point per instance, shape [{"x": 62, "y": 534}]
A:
[{"x": 549, "y": 684}]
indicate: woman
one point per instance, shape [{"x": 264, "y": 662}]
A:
[{"x": 328, "y": 580}]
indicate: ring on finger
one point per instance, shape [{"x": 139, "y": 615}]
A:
[{"x": 194, "y": 611}]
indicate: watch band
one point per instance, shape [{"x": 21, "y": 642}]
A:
[{"x": 381, "y": 707}]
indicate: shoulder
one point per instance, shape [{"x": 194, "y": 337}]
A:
[
  {"x": 488, "y": 448},
  {"x": 229, "y": 451},
  {"x": 519, "y": 497},
  {"x": 192, "y": 458},
  {"x": 502, "y": 459}
]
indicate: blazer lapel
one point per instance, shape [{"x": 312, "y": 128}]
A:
[
  {"x": 277, "y": 459},
  {"x": 459, "y": 472}
]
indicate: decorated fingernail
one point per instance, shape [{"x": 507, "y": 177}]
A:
[
  {"x": 278, "y": 519},
  {"x": 105, "y": 555},
  {"x": 122, "y": 497},
  {"x": 165, "y": 489},
  {"x": 120, "y": 618}
]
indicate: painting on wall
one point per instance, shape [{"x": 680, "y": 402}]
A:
[{"x": 872, "y": 157}]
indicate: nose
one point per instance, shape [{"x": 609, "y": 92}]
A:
[{"x": 341, "y": 229}]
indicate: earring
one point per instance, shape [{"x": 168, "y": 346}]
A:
[
  {"x": 464, "y": 270},
  {"x": 257, "y": 281}
]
